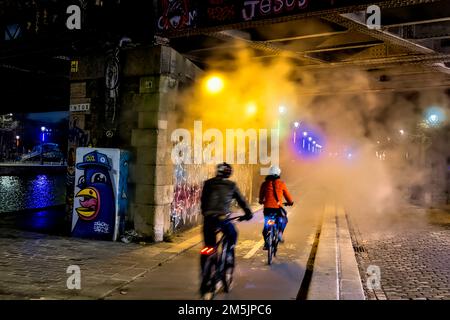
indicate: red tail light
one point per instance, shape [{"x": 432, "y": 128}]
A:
[
  {"x": 271, "y": 222},
  {"x": 207, "y": 250}
]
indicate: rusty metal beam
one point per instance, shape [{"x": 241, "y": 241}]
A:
[
  {"x": 308, "y": 36},
  {"x": 352, "y": 23},
  {"x": 399, "y": 60}
]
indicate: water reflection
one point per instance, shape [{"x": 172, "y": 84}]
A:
[{"x": 30, "y": 192}]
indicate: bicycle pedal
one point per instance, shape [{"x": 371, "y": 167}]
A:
[{"x": 208, "y": 296}]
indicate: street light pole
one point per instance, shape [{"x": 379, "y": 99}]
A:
[{"x": 42, "y": 145}]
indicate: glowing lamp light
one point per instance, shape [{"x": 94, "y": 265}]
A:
[
  {"x": 17, "y": 137},
  {"x": 251, "y": 109},
  {"x": 214, "y": 84},
  {"x": 43, "y": 129},
  {"x": 310, "y": 139},
  {"x": 296, "y": 124},
  {"x": 402, "y": 132},
  {"x": 282, "y": 109},
  {"x": 305, "y": 134}
]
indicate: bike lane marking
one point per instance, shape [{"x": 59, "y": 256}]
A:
[
  {"x": 255, "y": 248},
  {"x": 185, "y": 245}
]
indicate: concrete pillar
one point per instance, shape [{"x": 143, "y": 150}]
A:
[{"x": 153, "y": 75}]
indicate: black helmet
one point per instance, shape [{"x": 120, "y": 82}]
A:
[{"x": 224, "y": 170}]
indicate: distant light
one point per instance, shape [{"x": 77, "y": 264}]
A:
[
  {"x": 10, "y": 114},
  {"x": 378, "y": 142},
  {"x": 434, "y": 116},
  {"x": 349, "y": 155},
  {"x": 310, "y": 138},
  {"x": 314, "y": 142},
  {"x": 296, "y": 124},
  {"x": 305, "y": 134},
  {"x": 42, "y": 129},
  {"x": 17, "y": 137},
  {"x": 402, "y": 132},
  {"x": 282, "y": 109},
  {"x": 214, "y": 84}
]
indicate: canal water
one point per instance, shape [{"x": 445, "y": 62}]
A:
[{"x": 19, "y": 193}]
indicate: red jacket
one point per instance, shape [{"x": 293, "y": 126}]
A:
[{"x": 267, "y": 197}]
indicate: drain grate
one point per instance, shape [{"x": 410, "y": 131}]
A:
[{"x": 359, "y": 249}]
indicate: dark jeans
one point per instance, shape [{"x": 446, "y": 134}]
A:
[
  {"x": 282, "y": 220},
  {"x": 213, "y": 223}
]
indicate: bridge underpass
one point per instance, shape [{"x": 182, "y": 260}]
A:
[{"x": 407, "y": 57}]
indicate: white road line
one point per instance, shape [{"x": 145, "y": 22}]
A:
[{"x": 254, "y": 249}]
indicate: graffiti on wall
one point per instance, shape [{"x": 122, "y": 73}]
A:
[
  {"x": 176, "y": 14},
  {"x": 193, "y": 15},
  {"x": 188, "y": 183},
  {"x": 100, "y": 193}
]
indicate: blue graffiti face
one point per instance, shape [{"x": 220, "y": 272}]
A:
[{"x": 95, "y": 184}]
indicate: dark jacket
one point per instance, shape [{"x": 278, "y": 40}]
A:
[{"x": 217, "y": 195}]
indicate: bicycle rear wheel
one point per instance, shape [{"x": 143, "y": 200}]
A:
[
  {"x": 269, "y": 246},
  {"x": 227, "y": 269},
  {"x": 208, "y": 283},
  {"x": 275, "y": 241}
]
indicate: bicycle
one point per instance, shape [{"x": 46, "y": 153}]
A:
[
  {"x": 272, "y": 237},
  {"x": 217, "y": 266}
]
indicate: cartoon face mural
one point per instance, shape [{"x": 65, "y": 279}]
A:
[
  {"x": 175, "y": 14},
  {"x": 96, "y": 204}
]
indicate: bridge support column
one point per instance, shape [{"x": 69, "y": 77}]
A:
[
  {"x": 151, "y": 80},
  {"x": 144, "y": 119}
]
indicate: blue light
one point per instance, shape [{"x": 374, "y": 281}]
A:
[
  {"x": 435, "y": 116},
  {"x": 310, "y": 143}
]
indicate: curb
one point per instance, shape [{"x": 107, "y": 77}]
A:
[{"x": 335, "y": 275}]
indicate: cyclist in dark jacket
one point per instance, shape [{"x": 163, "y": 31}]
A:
[{"x": 217, "y": 195}]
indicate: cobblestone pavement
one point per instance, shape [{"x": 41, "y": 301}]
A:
[
  {"x": 412, "y": 251},
  {"x": 34, "y": 266}
]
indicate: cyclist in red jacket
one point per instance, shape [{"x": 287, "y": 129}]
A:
[{"x": 271, "y": 194}]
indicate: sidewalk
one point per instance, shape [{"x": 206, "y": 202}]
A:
[{"x": 33, "y": 266}]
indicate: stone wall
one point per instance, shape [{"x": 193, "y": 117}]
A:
[{"x": 163, "y": 197}]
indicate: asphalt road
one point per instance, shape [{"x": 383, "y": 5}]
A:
[{"x": 254, "y": 278}]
